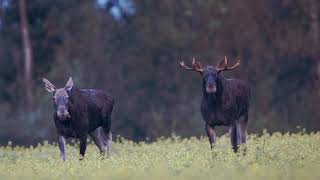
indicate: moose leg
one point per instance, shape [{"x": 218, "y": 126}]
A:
[
  {"x": 243, "y": 126},
  {"x": 98, "y": 140},
  {"x": 83, "y": 146},
  {"x": 62, "y": 146},
  {"x": 235, "y": 138},
  {"x": 106, "y": 134},
  {"x": 211, "y": 135},
  {"x": 108, "y": 139}
]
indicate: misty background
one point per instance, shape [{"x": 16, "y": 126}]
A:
[{"x": 131, "y": 49}]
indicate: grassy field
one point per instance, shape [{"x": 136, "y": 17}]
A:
[{"x": 277, "y": 156}]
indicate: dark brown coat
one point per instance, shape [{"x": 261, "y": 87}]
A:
[
  {"x": 225, "y": 102},
  {"x": 79, "y": 112}
]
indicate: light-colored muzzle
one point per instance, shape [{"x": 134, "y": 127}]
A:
[
  {"x": 211, "y": 88},
  {"x": 63, "y": 113}
]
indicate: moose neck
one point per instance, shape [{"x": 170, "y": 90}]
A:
[
  {"x": 214, "y": 100},
  {"x": 74, "y": 94}
]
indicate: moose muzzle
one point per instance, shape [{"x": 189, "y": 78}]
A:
[
  {"x": 63, "y": 113},
  {"x": 211, "y": 88}
]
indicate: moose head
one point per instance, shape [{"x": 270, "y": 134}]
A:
[
  {"x": 60, "y": 98},
  {"x": 210, "y": 74}
]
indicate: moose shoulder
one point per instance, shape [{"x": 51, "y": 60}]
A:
[
  {"x": 225, "y": 102},
  {"x": 79, "y": 112}
]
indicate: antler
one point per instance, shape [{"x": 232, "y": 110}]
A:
[
  {"x": 223, "y": 65},
  {"x": 196, "y": 66}
]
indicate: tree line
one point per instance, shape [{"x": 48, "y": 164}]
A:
[{"x": 135, "y": 59}]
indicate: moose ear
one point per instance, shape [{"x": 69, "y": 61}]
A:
[
  {"x": 69, "y": 84},
  {"x": 48, "y": 85}
]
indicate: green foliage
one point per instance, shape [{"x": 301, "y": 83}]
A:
[{"x": 277, "y": 156}]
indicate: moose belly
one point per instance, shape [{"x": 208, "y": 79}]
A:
[{"x": 217, "y": 120}]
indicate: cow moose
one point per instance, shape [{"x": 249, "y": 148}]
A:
[
  {"x": 79, "y": 112},
  {"x": 225, "y": 102}
]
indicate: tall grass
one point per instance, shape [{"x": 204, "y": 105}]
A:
[{"x": 276, "y": 156}]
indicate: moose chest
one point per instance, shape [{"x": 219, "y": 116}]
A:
[
  {"x": 69, "y": 129},
  {"x": 216, "y": 116}
]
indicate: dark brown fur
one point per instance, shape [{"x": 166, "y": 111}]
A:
[
  {"x": 225, "y": 102},
  {"x": 89, "y": 111},
  {"x": 229, "y": 106}
]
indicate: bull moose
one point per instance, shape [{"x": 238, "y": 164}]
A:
[
  {"x": 79, "y": 112},
  {"x": 225, "y": 102}
]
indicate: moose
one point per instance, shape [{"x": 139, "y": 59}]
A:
[
  {"x": 79, "y": 112},
  {"x": 225, "y": 102}
]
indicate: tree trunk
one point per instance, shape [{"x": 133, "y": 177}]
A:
[
  {"x": 27, "y": 52},
  {"x": 315, "y": 30},
  {"x": 314, "y": 16}
]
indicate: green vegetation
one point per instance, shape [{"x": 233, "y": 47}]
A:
[{"x": 277, "y": 156}]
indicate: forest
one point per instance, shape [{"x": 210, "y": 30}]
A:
[{"x": 132, "y": 49}]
